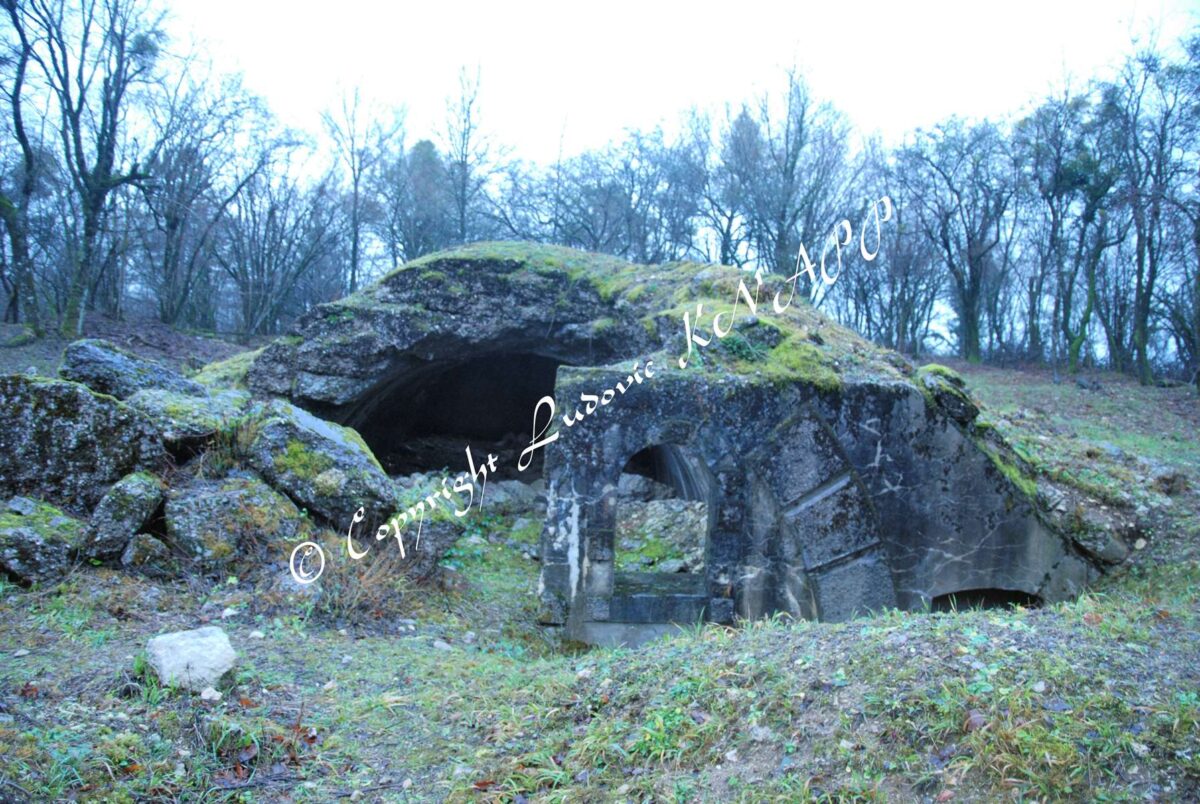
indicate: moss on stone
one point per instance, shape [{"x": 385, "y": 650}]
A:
[
  {"x": 635, "y": 293},
  {"x": 354, "y": 438},
  {"x": 945, "y": 381},
  {"x": 1009, "y": 468},
  {"x": 796, "y": 359},
  {"x": 433, "y": 276},
  {"x": 984, "y": 428},
  {"x": 330, "y": 482},
  {"x": 129, "y": 492},
  {"x": 610, "y": 286},
  {"x": 216, "y": 547},
  {"x": 442, "y": 511},
  {"x": 58, "y": 381},
  {"x": 803, "y": 346},
  {"x": 230, "y": 372},
  {"x": 300, "y": 461},
  {"x": 942, "y": 371},
  {"x": 542, "y": 259},
  {"x": 47, "y": 520}
]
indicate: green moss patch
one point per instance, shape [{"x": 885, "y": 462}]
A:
[
  {"x": 297, "y": 459},
  {"x": 228, "y": 373}
]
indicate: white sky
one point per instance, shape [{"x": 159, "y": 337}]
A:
[{"x": 575, "y": 75}]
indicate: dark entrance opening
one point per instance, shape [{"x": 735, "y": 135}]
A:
[
  {"x": 984, "y": 599},
  {"x": 424, "y": 422},
  {"x": 663, "y": 521}
]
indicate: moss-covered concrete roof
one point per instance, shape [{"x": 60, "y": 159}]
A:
[{"x": 799, "y": 343}]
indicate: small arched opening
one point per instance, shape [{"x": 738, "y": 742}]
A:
[
  {"x": 983, "y": 599},
  {"x": 664, "y": 519}
]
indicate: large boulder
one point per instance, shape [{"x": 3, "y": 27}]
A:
[
  {"x": 189, "y": 417},
  {"x": 193, "y": 660},
  {"x": 63, "y": 443},
  {"x": 324, "y": 467},
  {"x": 149, "y": 556},
  {"x": 215, "y": 522},
  {"x": 108, "y": 369},
  {"x": 36, "y": 541},
  {"x": 121, "y": 513}
]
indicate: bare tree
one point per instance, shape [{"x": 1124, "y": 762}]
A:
[
  {"x": 800, "y": 177},
  {"x": 729, "y": 164},
  {"x": 891, "y": 298},
  {"x": 361, "y": 140},
  {"x": 960, "y": 178},
  {"x": 1182, "y": 303},
  {"x": 276, "y": 233},
  {"x": 1147, "y": 105},
  {"x": 469, "y": 161},
  {"x": 198, "y": 172},
  {"x": 14, "y": 202},
  {"x": 94, "y": 53}
]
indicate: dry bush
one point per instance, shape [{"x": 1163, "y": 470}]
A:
[{"x": 372, "y": 588}]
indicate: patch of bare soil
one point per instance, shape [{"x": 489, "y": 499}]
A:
[{"x": 145, "y": 337}]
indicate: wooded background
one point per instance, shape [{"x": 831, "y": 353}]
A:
[{"x": 136, "y": 177}]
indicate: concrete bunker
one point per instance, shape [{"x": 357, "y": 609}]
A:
[{"x": 835, "y": 479}]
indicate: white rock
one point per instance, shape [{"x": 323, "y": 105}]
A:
[
  {"x": 20, "y": 653},
  {"x": 210, "y": 694},
  {"x": 193, "y": 659},
  {"x": 257, "y": 635},
  {"x": 441, "y": 645},
  {"x": 229, "y": 612}
]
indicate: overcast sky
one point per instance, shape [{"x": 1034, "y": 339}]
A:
[{"x": 575, "y": 76}]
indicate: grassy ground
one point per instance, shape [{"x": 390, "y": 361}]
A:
[{"x": 465, "y": 699}]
